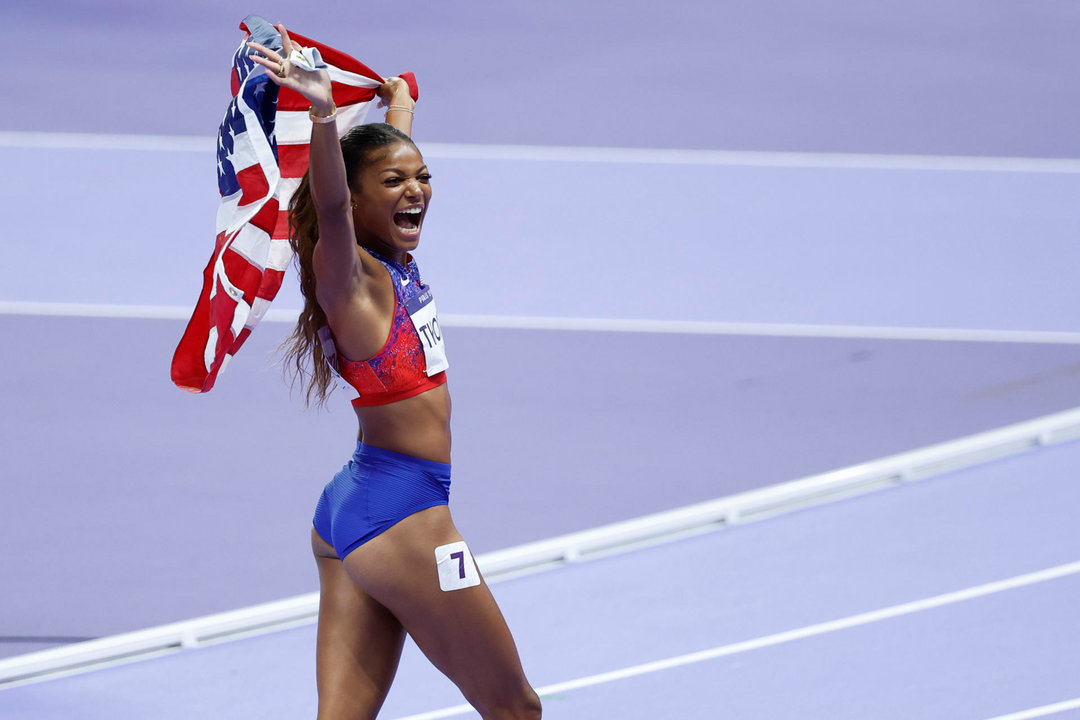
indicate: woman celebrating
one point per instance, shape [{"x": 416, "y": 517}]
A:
[{"x": 390, "y": 559}]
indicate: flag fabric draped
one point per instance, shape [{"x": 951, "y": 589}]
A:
[{"x": 262, "y": 153}]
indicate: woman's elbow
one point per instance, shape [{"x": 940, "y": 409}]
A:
[{"x": 333, "y": 211}]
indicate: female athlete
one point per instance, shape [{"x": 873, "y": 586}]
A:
[{"x": 389, "y": 557}]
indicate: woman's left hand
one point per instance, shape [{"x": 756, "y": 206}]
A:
[{"x": 395, "y": 91}]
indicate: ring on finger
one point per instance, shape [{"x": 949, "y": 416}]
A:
[{"x": 281, "y": 69}]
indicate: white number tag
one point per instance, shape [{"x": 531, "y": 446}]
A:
[
  {"x": 421, "y": 310},
  {"x": 457, "y": 570}
]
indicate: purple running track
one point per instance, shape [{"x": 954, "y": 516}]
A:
[{"x": 978, "y": 658}]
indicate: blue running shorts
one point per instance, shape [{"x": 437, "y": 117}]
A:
[{"x": 374, "y": 491}]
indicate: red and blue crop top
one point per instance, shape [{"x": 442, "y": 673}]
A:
[{"x": 400, "y": 369}]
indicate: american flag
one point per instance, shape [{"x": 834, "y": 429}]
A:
[{"x": 262, "y": 152}]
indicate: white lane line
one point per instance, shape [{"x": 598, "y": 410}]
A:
[
  {"x": 103, "y": 141},
  {"x": 743, "y": 158},
  {"x": 507, "y": 322},
  {"x": 555, "y": 153},
  {"x": 1041, "y": 711},
  {"x": 706, "y": 327},
  {"x": 866, "y": 618},
  {"x": 128, "y": 312}
]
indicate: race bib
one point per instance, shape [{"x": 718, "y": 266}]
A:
[
  {"x": 457, "y": 570},
  {"x": 421, "y": 310}
]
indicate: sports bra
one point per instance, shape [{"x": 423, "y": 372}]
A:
[{"x": 400, "y": 369}]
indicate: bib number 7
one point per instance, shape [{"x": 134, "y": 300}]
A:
[{"x": 457, "y": 569}]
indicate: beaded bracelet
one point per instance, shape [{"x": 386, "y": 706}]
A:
[{"x": 400, "y": 107}]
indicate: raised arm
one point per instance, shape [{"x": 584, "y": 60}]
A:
[
  {"x": 336, "y": 262},
  {"x": 399, "y": 104}
]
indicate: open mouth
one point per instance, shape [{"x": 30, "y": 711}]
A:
[{"x": 408, "y": 219}]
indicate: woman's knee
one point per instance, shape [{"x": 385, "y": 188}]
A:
[
  {"x": 523, "y": 704},
  {"x": 531, "y": 708}
]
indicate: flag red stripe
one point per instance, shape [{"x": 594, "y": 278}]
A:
[
  {"x": 253, "y": 184},
  {"x": 242, "y": 274},
  {"x": 293, "y": 160},
  {"x": 281, "y": 229},
  {"x": 271, "y": 283},
  {"x": 188, "y": 370},
  {"x": 239, "y": 340},
  {"x": 343, "y": 95},
  {"x": 266, "y": 218}
]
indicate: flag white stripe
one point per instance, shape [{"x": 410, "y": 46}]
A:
[
  {"x": 258, "y": 311},
  {"x": 349, "y": 78},
  {"x": 243, "y": 154},
  {"x": 286, "y": 190},
  {"x": 352, "y": 115},
  {"x": 251, "y": 244},
  {"x": 280, "y": 254},
  {"x": 293, "y": 127}
]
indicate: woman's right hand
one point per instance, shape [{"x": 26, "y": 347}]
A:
[
  {"x": 312, "y": 84},
  {"x": 395, "y": 91}
]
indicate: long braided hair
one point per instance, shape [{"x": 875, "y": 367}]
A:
[{"x": 303, "y": 356}]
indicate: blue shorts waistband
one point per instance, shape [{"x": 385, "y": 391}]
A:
[{"x": 370, "y": 452}]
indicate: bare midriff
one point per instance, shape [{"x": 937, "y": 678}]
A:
[{"x": 418, "y": 426}]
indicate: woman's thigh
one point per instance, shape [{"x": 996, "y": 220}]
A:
[
  {"x": 460, "y": 629},
  {"x": 358, "y": 643}
]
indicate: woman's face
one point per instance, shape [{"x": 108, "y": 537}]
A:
[{"x": 393, "y": 197}]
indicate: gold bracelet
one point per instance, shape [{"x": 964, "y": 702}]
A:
[
  {"x": 400, "y": 107},
  {"x": 322, "y": 119}
]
